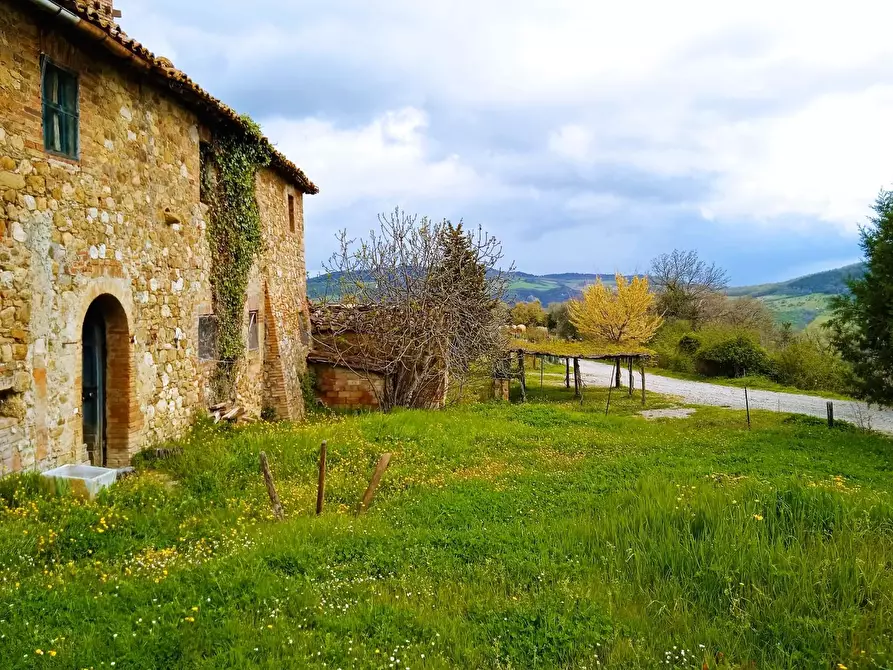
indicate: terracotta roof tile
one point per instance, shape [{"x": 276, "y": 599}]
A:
[{"x": 182, "y": 85}]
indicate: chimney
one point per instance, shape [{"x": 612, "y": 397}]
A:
[{"x": 106, "y": 9}]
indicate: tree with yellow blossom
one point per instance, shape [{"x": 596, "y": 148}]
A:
[{"x": 623, "y": 315}]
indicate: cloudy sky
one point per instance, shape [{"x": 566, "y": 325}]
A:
[{"x": 588, "y": 136}]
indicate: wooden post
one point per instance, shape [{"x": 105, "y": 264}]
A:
[
  {"x": 632, "y": 385},
  {"x": 577, "y": 389},
  {"x": 610, "y": 389},
  {"x": 830, "y": 408},
  {"x": 642, "y": 371},
  {"x": 321, "y": 487},
  {"x": 617, "y": 374},
  {"x": 278, "y": 512},
  {"x": 567, "y": 372},
  {"x": 522, "y": 376},
  {"x": 541, "y": 376},
  {"x": 747, "y": 405},
  {"x": 373, "y": 484}
]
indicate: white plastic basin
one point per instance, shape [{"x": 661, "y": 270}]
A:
[{"x": 81, "y": 480}]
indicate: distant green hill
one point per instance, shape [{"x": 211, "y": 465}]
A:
[
  {"x": 801, "y": 301},
  {"x": 523, "y": 288},
  {"x": 829, "y": 282}
]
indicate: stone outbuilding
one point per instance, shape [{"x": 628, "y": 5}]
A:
[{"x": 107, "y": 309}]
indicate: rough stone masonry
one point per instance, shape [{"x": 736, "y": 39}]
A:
[{"x": 121, "y": 226}]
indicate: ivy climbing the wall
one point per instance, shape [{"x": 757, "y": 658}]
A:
[{"x": 231, "y": 162}]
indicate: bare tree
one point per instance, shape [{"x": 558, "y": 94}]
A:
[
  {"x": 685, "y": 284},
  {"x": 419, "y": 306}
]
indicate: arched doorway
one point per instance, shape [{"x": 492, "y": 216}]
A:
[{"x": 105, "y": 383}]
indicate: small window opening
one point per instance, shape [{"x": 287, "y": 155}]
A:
[
  {"x": 207, "y": 337},
  {"x": 60, "y": 110},
  {"x": 253, "y": 339},
  {"x": 291, "y": 213}
]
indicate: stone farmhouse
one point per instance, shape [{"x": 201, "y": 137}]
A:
[{"x": 107, "y": 308}]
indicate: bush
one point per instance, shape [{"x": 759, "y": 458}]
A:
[
  {"x": 689, "y": 344},
  {"x": 734, "y": 357},
  {"x": 810, "y": 364}
]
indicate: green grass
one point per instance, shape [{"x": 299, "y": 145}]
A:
[{"x": 544, "y": 535}]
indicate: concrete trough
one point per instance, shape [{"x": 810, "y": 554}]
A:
[{"x": 85, "y": 481}]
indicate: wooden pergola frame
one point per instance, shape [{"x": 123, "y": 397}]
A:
[{"x": 541, "y": 351}]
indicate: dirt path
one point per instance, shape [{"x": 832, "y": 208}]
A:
[{"x": 701, "y": 393}]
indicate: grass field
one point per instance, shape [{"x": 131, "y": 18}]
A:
[{"x": 544, "y": 535}]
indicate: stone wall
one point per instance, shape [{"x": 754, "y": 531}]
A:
[
  {"x": 341, "y": 388},
  {"x": 126, "y": 221}
]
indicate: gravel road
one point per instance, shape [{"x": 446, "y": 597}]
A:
[{"x": 700, "y": 393}]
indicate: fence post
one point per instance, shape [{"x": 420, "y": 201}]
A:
[
  {"x": 321, "y": 487},
  {"x": 642, "y": 370},
  {"x": 373, "y": 484},
  {"x": 523, "y": 376},
  {"x": 830, "y": 407},
  {"x": 278, "y": 512},
  {"x": 747, "y": 405}
]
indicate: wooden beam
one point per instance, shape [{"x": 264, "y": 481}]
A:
[
  {"x": 577, "y": 385},
  {"x": 567, "y": 372}
]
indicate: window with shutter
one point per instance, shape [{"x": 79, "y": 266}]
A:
[{"x": 60, "y": 111}]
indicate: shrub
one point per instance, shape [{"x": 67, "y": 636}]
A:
[
  {"x": 734, "y": 357},
  {"x": 689, "y": 344},
  {"x": 810, "y": 364}
]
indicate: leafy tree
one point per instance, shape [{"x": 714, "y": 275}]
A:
[
  {"x": 621, "y": 316},
  {"x": 862, "y": 325},
  {"x": 558, "y": 320},
  {"x": 528, "y": 314}
]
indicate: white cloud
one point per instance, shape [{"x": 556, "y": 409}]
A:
[
  {"x": 390, "y": 159},
  {"x": 572, "y": 141},
  {"x": 826, "y": 161}
]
